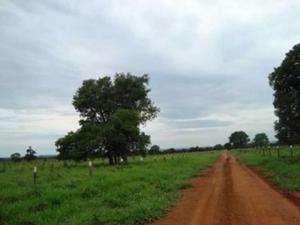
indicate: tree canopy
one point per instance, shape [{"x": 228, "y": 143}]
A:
[
  {"x": 218, "y": 147},
  {"x": 261, "y": 140},
  {"x": 155, "y": 149},
  {"x": 285, "y": 80},
  {"x": 30, "y": 154},
  {"x": 227, "y": 146},
  {"x": 111, "y": 112},
  {"x": 16, "y": 157},
  {"x": 239, "y": 139}
]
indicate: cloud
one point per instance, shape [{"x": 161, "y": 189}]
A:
[{"x": 208, "y": 62}]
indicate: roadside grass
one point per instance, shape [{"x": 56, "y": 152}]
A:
[
  {"x": 66, "y": 193},
  {"x": 284, "y": 172}
]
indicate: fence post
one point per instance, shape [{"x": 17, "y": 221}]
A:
[
  {"x": 278, "y": 152},
  {"x": 269, "y": 149},
  {"x": 34, "y": 175},
  {"x": 90, "y": 168},
  {"x": 292, "y": 152}
]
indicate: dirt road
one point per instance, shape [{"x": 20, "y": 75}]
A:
[{"x": 231, "y": 194}]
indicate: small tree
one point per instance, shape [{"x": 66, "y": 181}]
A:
[
  {"x": 30, "y": 154},
  {"x": 261, "y": 140},
  {"x": 15, "y": 157},
  {"x": 239, "y": 139},
  {"x": 155, "y": 149}
]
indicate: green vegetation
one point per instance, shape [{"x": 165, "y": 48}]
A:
[
  {"x": 111, "y": 112},
  {"x": 15, "y": 157},
  {"x": 66, "y": 192},
  {"x": 155, "y": 149},
  {"x": 261, "y": 140},
  {"x": 239, "y": 139},
  {"x": 30, "y": 154},
  {"x": 283, "y": 171},
  {"x": 285, "y": 81}
]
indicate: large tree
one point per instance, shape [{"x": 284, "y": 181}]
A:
[
  {"x": 239, "y": 139},
  {"x": 261, "y": 140},
  {"x": 285, "y": 80},
  {"x": 111, "y": 112}
]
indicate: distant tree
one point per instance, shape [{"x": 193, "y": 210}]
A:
[
  {"x": 170, "y": 150},
  {"x": 261, "y": 140},
  {"x": 285, "y": 80},
  {"x": 239, "y": 139},
  {"x": 218, "y": 147},
  {"x": 30, "y": 154},
  {"x": 111, "y": 111},
  {"x": 155, "y": 149},
  {"x": 195, "y": 149},
  {"x": 16, "y": 157},
  {"x": 227, "y": 146}
]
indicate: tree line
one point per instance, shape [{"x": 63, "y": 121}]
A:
[
  {"x": 29, "y": 155},
  {"x": 238, "y": 139}
]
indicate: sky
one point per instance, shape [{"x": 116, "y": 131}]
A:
[{"x": 208, "y": 63}]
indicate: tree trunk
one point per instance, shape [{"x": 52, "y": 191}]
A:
[
  {"x": 116, "y": 160},
  {"x": 110, "y": 158},
  {"x": 125, "y": 158}
]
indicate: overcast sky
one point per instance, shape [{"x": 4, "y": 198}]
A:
[{"x": 208, "y": 62}]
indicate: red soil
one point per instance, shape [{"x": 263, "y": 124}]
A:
[{"x": 232, "y": 194}]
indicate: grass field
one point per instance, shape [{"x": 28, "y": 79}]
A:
[
  {"x": 67, "y": 194},
  {"x": 284, "y": 172}
]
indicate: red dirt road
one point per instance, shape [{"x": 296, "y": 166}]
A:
[{"x": 231, "y": 194}]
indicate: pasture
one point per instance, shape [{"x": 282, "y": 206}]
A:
[
  {"x": 278, "y": 165},
  {"x": 69, "y": 193}
]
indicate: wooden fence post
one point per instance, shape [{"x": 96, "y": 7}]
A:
[
  {"x": 90, "y": 168},
  {"x": 34, "y": 175},
  {"x": 278, "y": 152},
  {"x": 291, "y": 152}
]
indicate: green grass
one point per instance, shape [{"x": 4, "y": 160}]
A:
[
  {"x": 284, "y": 172},
  {"x": 66, "y": 194}
]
